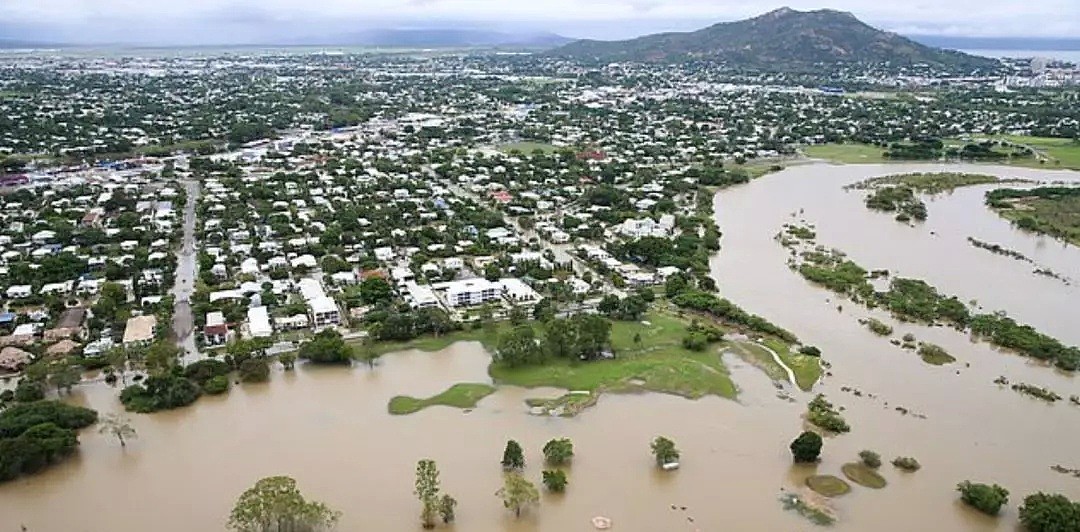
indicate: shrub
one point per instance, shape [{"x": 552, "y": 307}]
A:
[
  {"x": 984, "y": 498},
  {"x": 555, "y": 480},
  {"x": 806, "y": 448},
  {"x": 870, "y": 459},
  {"x": 810, "y": 351},
  {"x": 664, "y": 451},
  {"x": 160, "y": 392},
  {"x": 821, "y": 413},
  {"x": 906, "y": 463},
  {"x": 558, "y": 451},
  {"x": 1043, "y": 512},
  {"x": 216, "y": 385}
]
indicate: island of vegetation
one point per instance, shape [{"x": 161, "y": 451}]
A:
[
  {"x": 1053, "y": 211},
  {"x": 461, "y": 395},
  {"x": 915, "y": 300}
]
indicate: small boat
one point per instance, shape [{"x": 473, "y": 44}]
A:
[{"x": 670, "y": 466}]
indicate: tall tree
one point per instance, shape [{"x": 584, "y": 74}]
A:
[
  {"x": 275, "y": 504},
  {"x": 427, "y": 490},
  {"x": 518, "y": 493},
  {"x": 513, "y": 457},
  {"x": 119, "y": 426},
  {"x": 446, "y": 508}
]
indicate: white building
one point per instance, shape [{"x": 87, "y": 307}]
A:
[
  {"x": 324, "y": 312},
  {"x": 469, "y": 292},
  {"x": 420, "y": 296},
  {"x": 259, "y": 322}
]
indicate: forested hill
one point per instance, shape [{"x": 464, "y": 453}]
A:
[{"x": 783, "y": 39}]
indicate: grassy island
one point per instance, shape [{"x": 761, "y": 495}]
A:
[{"x": 462, "y": 395}]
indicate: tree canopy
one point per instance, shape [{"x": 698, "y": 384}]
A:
[{"x": 275, "y": 504}]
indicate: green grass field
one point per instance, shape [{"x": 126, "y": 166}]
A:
[
  {"x": 1063, "y": 153},
  {"x": 807, "y": 369},
  {"x": 848, "y": 153},
  {"x": 828, "y": 485},
  {"x": 863, "y": 476},
  {"x": 657, "y": 363},
  {"x": 462, "y": 395},
  {"x": 528, "y": 147}
]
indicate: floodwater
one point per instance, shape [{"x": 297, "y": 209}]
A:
[{"x": 328, "y": 427}]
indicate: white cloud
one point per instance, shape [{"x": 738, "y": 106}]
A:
[{"x": 969, "y": 17}]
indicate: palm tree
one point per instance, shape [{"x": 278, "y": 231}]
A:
[{"x": 118, "y": 426}]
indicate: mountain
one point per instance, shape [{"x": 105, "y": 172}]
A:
[{"x": 783, "y": 39}]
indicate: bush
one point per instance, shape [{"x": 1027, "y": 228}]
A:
[
  {"x": 695, "y": 342},
  {"x": 254, "y": 370},
  {"x": 820, "y": 412},
  {"x": 984, "y": 498},
  {"x": 1043, "y": 512},
  {"x": 810, "y": 351},
  {"x": 555, "y": 480},
  {"x": 216, "y": 385},
  {"x": 558, "y": 452},
  {"x": 204, "y": 370},
  {"x": 160, "y": 392},
  {"x": 806, "y": 448},
  {"x": 870, "y": 459},
  {"x": 906, "y": 463},
  {"x": 34, "y": 435},
  {"x": 326, "y": 347},
  {"x": 29, "y": 391},
  {"x": 19, "y": 418}
]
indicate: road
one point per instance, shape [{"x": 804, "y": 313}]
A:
[{"x": 183, "y": 326}]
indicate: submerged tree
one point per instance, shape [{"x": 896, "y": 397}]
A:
[
  {"x": 274, "y": 504},
  {"x": 446, "y": 508},
  {"x": 427, "y": 490},
  {"x": 555, "y": 480},
  {"x": 806, "y": 448},
  {"x": 118, "y": 426},
  {"x": 518, "y": 493},
  {"x": 664, "y": 451},
  {"x": 558, "y": 451},
  {"x": 513, "y": 458}
]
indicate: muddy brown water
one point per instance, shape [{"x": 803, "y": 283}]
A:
[{"x": 328, "y": 427}]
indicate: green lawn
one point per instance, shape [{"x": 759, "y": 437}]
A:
[
  {"x": 847, "y": 153},
  {"x": 462, "y": 395},
  {"x": 760, "y": 358},
  {"x": 528, "y": 147},
  {"x": 658, "y": 363},
  {"x": 488, "y": 337},
  {"x": 807, "y": 369},
  {"x": 1063, "y": 153}
]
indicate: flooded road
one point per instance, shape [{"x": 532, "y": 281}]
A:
[
  {"x": 183, "y": 326},
  {"x": 328, "y": 427}
]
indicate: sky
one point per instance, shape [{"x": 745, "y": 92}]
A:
[{"x": 240, "y": 21}]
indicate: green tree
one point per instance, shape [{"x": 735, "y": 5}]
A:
[
  {"x": 254, "y": 370},
  {"x": 161, "y": 356},
  {"x": 1043, "y": 512},
  {"x": 274, "y": 504},
  {"x": 555, "y": 480},
  {"x": 806, "y": 448},
  {"x": 518, "y": 347},
  {"x": 427, "y": 490},
  {"x": 28, "y": 391},
  {"x": 374, "y": 290},
  {"x": 664, "y": 451},
  {"x": 518, "y": 493},
  {"x": 64, "y": 375},
  {"x": 513, "y": 457},
  {"x": 446, "y": 508},
  {"x": 984, "y": 498},
  {"x": 558, "y": 451},
  {"x": 288, "y": 360},
  {"x": 118, "y": 426},
  {"x": 326, "y": 347}
]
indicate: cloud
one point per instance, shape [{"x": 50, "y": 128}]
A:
[{"x": 591, "y": 18}]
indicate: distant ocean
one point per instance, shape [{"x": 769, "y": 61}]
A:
[{"x": 1073, "y": 56}]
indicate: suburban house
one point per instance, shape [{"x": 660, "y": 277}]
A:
[
  {"x": 139, "y": 330},
  {"x": 216, "y": 331}
]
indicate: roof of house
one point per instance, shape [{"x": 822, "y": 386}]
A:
[{"x": 140, "y": 329}]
